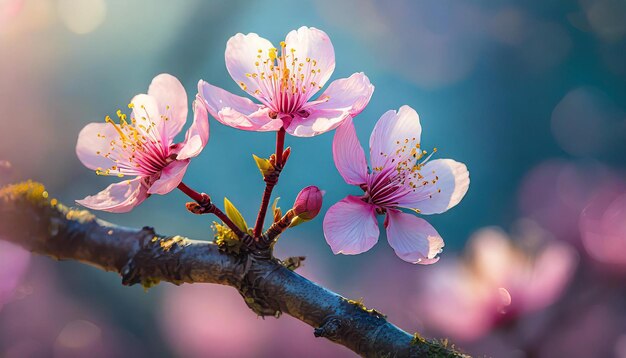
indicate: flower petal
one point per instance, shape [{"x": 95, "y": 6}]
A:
[
  {"x": 413, "y": 239},
  {"x": 446, "y": 180},
  {"x": 197, "y": 135},
  {"x": 94, "y": 143},
  {"x": 348, "y": 154},
  {"x": 171, "y": 98},
  {"x": 317, "y": 122},
  {"x": 311, "y": 43},
  {"x": 493, "y": 256},
  {"x": 170, "y": 177},
  {"x": 350, "y": 226},
  {"x": 352, "y": 94},
  {"x": 149, "y": 121},
  {"x": 552, "y": 271},
  {"x": 120, "y": 197},
  {"x": 392, "y": 133},
  {"x": 236, "y": 111},
  {"x": 243, "y": 53},
  {"x": 344, "y": 98}
]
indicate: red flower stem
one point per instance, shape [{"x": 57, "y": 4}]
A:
[
  {"x": 270, "y": 182},
  {"x": 197, "y": 197},
  {"x": 279, "y": 227},
  {"x": 267, "y": 194},
  {"x": 280, "y": 146},
  {"x": 205, "y": 201}
]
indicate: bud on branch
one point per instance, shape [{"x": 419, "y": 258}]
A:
[{"x": 307, "y": 205}]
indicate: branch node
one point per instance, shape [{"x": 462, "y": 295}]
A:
[
  {"x": 293, "y": 262},
  {"x": 129, "y": 273},
  {"x": 331, "y": 328},
  {"x": 256, "y": 271},
  {"x": 150, "y": 248},
  {"x": 148, "y": 230}
]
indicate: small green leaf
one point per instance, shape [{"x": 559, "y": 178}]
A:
[
  {"x": 234, "y": 215},
  {"x": 297, "y": 221},
  {"x": 264, "y": 165}
]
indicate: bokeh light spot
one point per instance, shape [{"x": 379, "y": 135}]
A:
[
  {"x": 82, "y": 17},
  {"x": 79, "y": 334}
]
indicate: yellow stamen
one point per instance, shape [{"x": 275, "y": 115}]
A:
[
  {"x": 272, "y": 53},
  {"x": 117, "y": 128}
]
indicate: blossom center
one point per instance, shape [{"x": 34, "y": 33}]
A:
[
  {"x": 137, "y": 148},
  {"x": 284, "y": 82},
  {"x": 401, "y": 175}
]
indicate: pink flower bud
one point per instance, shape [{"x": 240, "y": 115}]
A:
[{"x": 308, "y": 203}]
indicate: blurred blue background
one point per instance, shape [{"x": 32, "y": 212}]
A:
[{"x": 504, "y": 87}]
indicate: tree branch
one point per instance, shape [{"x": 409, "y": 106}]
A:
[{"x": 46, "y": 227}]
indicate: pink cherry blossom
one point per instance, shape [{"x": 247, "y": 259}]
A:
[
  {"x": 284, "y": 83},
  {"x": 555, "y": 192},
  {"x": 603, "y": 228},
  {"x": 143, "y": 147},
  {"x": 497, "y": 281},
  {"x": 397, "y": 179}
]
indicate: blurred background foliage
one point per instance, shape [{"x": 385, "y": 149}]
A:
[{"x": 530, "y": 95}]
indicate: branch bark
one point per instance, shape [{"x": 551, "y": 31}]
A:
[{"x": 142, "y": 256}]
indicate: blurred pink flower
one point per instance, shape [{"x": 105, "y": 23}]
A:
[
  {"x": 592, "y": 331},
  {"x": 213, "y": 321},
  {"x": 44, "y": 321},
  {"x": 375, "y": 280},
  {"x": 396, "y": 180},
  {"x": 13, "y": 264},
  {"x": 284, "y": 84},
  {"x": 206, "y": 320},
  {"x": 496, "y": 282},
  {"x": 144, "y": 147},
  {"x": 603, "y": 228},
  {"x": 555, "y": 192}
]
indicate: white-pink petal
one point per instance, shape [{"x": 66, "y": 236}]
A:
[
  {"x": 348, "y": 154},
  {"x": 120, "y": 197},
  {"x": 171, "y": 99},
  {"x": 350, "y": 226},
  {"x": 447, "y": 182},
  {"x": 197, "y": 135},
  {"x": 242, "y": 55},
  {"x": 319, "y": 121},
  {"x": 314, "y": 44},
  {"x": 94, "y": 143},
  {"x": 146, "y": 113},
  {"x": 170, "y": 177},
  {"x": 235, "y": 111},
  {"x": 351, "y": 94},
  {"x": 392, "y": 133},
  {"x": 343, "y": 98},
  {"x": 413, "y": 239}
]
